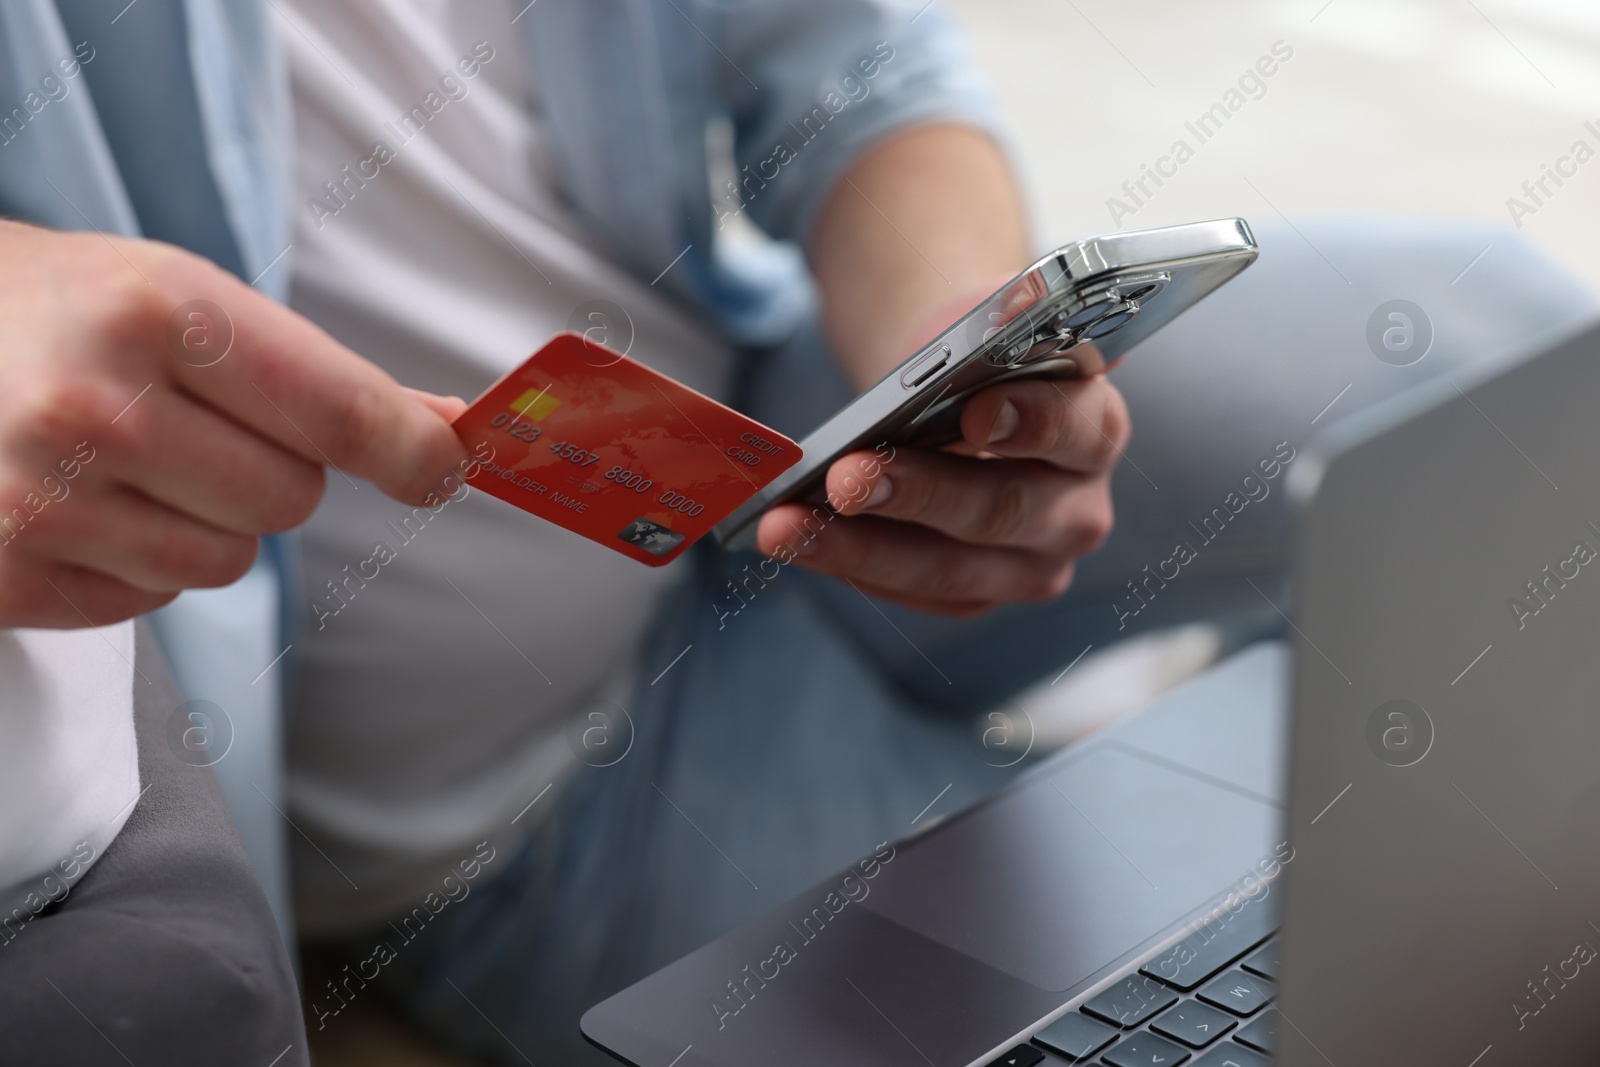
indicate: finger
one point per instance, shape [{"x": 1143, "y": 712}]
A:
[
  {"x": 64, "y": 597},
  {"x": 123, "y": 535},
  {"x": 1077, "y": 425},
  {"x": 908, "y": 560},
  {"x": 447, "y": 408},
  {"x": 1018, "y": 503},
  {"x": 199, "y": 463},
  {"x": 290, "y": 382},
  {"x": 955, "y": 609}
]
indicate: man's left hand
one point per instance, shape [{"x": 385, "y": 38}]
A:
[{"x": 958, "y": 534}]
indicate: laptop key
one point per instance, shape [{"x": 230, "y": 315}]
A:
[
  {"x": 1021, "y": 1056},
  {"x": 1238, "y": 992},
  {"x": 1131, "y": 1001},
  {"x": 1194, "y": 1024},
  {"x": 1145, "y": 1049},
  {"x": 1231, "y": 1054},
  {"x": 1076, "y": 1036},
  {"x": 1265, "y": 961},
  {"x": 1262, "y": 1032},
  {"x": 1204, "y": 953}
]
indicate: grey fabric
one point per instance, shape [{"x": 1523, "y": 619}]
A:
[{"x": 166, "y": 952}]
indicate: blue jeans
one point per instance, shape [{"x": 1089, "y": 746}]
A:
[{"x": 811, "y": 725}]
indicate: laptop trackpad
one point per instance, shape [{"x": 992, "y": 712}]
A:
[{"x": 1054, "y": 881}]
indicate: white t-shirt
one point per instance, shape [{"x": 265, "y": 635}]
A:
[
  {"x": 69, "y": 762},
  {"x": 430, "y": 702}
]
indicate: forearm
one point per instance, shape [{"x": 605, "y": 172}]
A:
[{"x": 915, "y": 232}]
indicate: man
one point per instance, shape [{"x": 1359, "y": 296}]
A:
[
  {"x": 199, "y": 458},
  {"x": 467, "y": 180}
]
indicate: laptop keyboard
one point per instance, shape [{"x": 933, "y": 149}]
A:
[{"x": 1206, "y": 1002}]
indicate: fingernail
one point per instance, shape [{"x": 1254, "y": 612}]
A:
[
  {"x": 880, "y": 492},
  {"x": 1005, "y": 423}
]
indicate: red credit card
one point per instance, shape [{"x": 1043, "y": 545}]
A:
[{"x": 592, "y": 441}]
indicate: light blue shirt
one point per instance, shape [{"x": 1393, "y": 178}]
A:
[
  {"x": 170, "y": 119},
  {"x": 626, "y": 89}
]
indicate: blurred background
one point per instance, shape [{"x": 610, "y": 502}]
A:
[{"x": 1425, "y": 107}]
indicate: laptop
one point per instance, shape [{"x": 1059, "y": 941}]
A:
[{"x": 1377, "y": 841}]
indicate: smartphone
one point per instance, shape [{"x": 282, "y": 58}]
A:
[{"x": 1114, "y": 291}]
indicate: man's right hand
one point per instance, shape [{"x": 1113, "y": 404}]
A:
[{"x": 190, "y": 458}]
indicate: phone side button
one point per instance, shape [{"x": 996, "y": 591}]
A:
[{"x": 922, "y": 369}]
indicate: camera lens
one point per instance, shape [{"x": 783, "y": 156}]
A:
[{"x": 1115, "y": 319}]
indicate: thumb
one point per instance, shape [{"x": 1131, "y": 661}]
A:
[{"x": 448, "y": 408}]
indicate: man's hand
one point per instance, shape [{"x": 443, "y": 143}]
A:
[
  {"x": 921, "y": 228},
  {"x": 960, "y": 534},
  {"x": 144, "y": 448}
]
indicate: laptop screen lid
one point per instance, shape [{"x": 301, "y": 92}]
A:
[{"x": 1444, "y": 904}]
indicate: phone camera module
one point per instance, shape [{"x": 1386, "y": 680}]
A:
[
  {"x": 1096, "y": 309},
  {"x": 1113, "y": 320},
  {"x": 1142, "y": 287},
  {"x": 1011, "y": 354},
  {"x": 1145, "y": 291}
]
